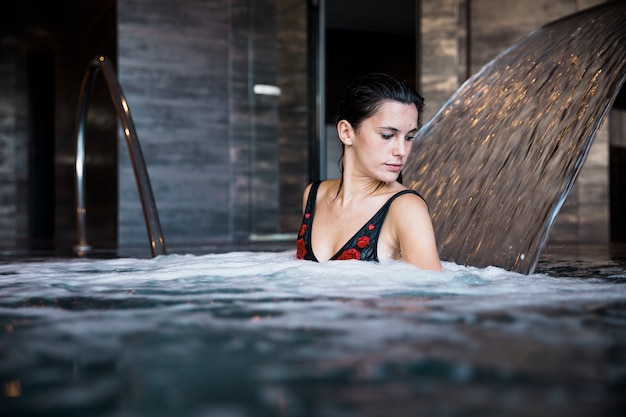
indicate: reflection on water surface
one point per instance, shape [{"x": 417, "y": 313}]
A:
[{"x": 261, "y": 334}]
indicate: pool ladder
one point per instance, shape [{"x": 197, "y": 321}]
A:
[{"x": 151, "y": 216}]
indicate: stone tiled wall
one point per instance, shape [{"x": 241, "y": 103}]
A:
[
  {"x": 494, "y": 26},
  {"x": 224, "y": 161},
  {"x": 440, "y": 48},
  {"x": 13, "y": 163},
  {"x": 293, "y": 129},
  {"x": 174, "y": 68}
]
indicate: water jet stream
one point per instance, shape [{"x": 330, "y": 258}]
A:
[{"x": 499, "y": 158}]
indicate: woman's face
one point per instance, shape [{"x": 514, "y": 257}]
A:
[{"x": 383, "y": 141}]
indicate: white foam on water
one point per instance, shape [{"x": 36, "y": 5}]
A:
[
  {"x": 80, "y": 332},
  {"x": 266, "y": 274}
]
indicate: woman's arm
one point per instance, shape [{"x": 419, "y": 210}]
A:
[{"x": 414, "y": 232}]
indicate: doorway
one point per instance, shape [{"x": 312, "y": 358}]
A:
[
  {"x": 44, "y": 50},
  {"x": 357, "y": 38}
]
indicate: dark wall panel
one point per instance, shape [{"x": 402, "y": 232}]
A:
[
  {"x": 211, "y": 144},
  {"x": 175, "y": 66},
  {"x": 45, "y": 49}
]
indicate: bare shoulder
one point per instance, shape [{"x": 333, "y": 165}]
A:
[
  {"x": 325, "y": 187},
  {"x": 412, "y": 231},
  {"x": 409, "y": 203},
  {"x": 328, "y": 187},
  {"x": 408, "y": 213}
]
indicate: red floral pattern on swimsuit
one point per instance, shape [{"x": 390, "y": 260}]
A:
[
  {"x": 363, "y": 241},
  {"x": 348, "y": 254},
  {"x": 363, "y": 245},
  {"x": 300, "y": 249}
]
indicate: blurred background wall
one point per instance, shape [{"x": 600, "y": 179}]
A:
[{"x": 232, "y": 101}]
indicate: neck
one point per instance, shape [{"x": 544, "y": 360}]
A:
[{"x": 349, "y": 188}]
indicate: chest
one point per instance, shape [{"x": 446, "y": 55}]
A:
[{"x": 334, "y": 227}]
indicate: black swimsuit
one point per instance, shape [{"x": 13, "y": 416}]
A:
[{"x": 363, "y": 245}]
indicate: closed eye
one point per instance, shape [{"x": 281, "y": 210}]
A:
[
  {"x": 388, "y": 132},
  {"x": 392, "y": 132}
]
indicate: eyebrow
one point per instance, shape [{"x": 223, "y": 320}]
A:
[{"x": 398, "y": 130}]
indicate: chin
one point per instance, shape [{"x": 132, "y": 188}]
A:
[{"x": 389, "y": 179}]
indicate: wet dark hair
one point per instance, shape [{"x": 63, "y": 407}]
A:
[{"x": 364, "y": 96}]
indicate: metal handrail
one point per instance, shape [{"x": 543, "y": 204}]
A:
[{"x": 151, "y": 216}]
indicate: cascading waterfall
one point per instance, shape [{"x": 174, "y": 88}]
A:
[{"x": 499, "y": 158}]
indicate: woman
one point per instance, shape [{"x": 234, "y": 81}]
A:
[{"x": 368, "y": 214}]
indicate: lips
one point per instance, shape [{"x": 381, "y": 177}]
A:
[{"x": 394, "y": 167}]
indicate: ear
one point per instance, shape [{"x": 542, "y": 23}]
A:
[{"x": 345, "y": 132}]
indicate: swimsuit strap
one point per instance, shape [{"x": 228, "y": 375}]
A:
[
  {"x": 363, "y": 244},
  {"x": 303, "y": 242},
  {"x": 310, "y": 202}
]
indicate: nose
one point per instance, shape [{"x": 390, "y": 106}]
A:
[{"x": 401, "y": 147}]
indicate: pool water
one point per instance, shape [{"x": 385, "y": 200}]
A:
[{"x": 262, "y": 334}]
